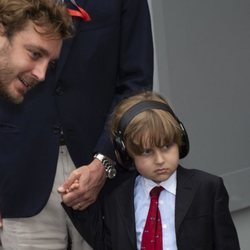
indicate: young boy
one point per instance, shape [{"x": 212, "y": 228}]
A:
[{"x": 193, "y": 205}]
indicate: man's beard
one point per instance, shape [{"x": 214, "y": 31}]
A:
[
  {"x": 5, "y": 74},
  {"x": 9, "y": 74}
]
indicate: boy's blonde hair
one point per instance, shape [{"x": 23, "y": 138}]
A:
[
  {"x": 49, "y": 14},
  {"x": 150, "y": 128}
]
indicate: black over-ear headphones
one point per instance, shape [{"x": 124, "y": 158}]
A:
[{"x": 118, "y": 142}]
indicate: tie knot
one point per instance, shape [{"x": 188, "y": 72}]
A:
[{"x": 155, "y": 192}]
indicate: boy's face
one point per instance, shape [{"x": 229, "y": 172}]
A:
[
  {"x": 157, "y": 164},
  {"x": 24, "y": 59}
]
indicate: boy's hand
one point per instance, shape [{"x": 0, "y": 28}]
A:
[
  {"x": 74, "y": 186},
  {"x": 83, "y": 185}
]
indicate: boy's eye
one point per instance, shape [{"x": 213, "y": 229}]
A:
[
  {"x": 146, "y": 151},
  {"x": 167, "y": 146}
]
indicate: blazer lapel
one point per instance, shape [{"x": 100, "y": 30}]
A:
[
  {"x": 66, "y": 45},
  {"x": 126, "y": 209},
  {"x": 184, "y": 194},
  {"x": 63, "y": 56}
]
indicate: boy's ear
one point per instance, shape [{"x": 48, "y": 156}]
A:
[{"x": 2, "y": 29}]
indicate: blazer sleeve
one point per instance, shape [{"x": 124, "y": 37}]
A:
[
  {"x": 135, "y": 69},
  {"x": 89, "y": 224},
  {"x": 225, "y": 233}
]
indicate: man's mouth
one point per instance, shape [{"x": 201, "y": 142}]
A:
[{"x": 26, "y": 83}]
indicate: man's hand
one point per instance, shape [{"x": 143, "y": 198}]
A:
[
  {"x": 1, "y": 221},
  {"x": 83, "y": 185}
]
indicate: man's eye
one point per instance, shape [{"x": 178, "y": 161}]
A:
[
  {"x": 35, "y": 55},
  {"x": 52, "y": 65}
]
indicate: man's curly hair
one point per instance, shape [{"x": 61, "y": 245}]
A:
[{"x": 49, "y": 14}]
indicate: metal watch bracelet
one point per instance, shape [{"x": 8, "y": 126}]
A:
[{"x": 109, "y": 166}]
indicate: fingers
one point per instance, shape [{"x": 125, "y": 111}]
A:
[
  {"x": 1, "y": 221},
  {"x": 76, "y": 196},
  {"x": 73, "y": 177},
  {"x": 78, "y": 206},
  {"x": 82, "y": 189},
  {"x": 81, "y": 202},
  {"x": 77, "y": 191},
  {"x": 81, "y": 205},
  {"x": 74, "y": 186}
]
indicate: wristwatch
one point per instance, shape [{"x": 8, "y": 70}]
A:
[{"x": 109, "y": 166}]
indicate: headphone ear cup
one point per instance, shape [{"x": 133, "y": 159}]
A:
[
  {"x": 121, "y": 153},
  {"x": 184, "y": 148}
]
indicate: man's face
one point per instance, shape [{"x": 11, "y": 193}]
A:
[{"x": 24, "y": 59}]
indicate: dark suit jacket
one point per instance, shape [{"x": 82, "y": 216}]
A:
[
  {"x": 109, "y": 58},
  {"x": 202, "y": 216}
]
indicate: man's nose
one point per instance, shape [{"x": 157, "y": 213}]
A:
[{"x": 39, "y": 71}]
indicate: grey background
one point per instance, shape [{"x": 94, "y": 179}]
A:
[{"x": 202, "y": 65}]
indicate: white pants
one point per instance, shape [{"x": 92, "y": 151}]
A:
[{"x": 50, "y": 228}]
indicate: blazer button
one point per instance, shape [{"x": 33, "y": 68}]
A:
[
  {"x": 59, "y": 90},
  {"x": 56, "y": 130}
]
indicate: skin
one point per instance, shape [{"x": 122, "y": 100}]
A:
[
  {"x": 157, "y": 164},
  {"x": 83, "y": 185},
  {"x": 24, "y": 60}
]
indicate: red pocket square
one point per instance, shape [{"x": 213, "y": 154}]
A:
[{"x": 80, "y": 12}]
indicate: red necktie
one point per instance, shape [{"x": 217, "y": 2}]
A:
[{"x": 152, "y": 233}]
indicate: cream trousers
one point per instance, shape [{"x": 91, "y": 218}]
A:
[{"x": 48, "y": 230}]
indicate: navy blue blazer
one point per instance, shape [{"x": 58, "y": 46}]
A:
[
  {"x": 202, "y": 216},
  {"x": 109, "y": 58}
]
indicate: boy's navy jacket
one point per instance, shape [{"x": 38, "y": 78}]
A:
[
  {"x": 202, "y": 217},
  {"x": 109, "y": 58}
]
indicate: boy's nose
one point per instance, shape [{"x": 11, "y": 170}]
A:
[{"x": 159, "y": 158}]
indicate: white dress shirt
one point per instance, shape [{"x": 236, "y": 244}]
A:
[{"x": 166, "y": 206}]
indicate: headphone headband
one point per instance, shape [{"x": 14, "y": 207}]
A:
[{"x": 139, "y": 108}]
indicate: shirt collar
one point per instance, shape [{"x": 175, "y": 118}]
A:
[{"x": 169, "y": 184}]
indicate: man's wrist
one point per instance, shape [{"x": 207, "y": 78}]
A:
[{"x": 108, "y": 164}]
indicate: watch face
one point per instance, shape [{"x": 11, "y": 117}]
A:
[{"x": 111, "y": 173}]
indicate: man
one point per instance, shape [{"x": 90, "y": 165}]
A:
[
  {"x": 110, "y": 56},
  {"x": 29, "y": 43}
]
